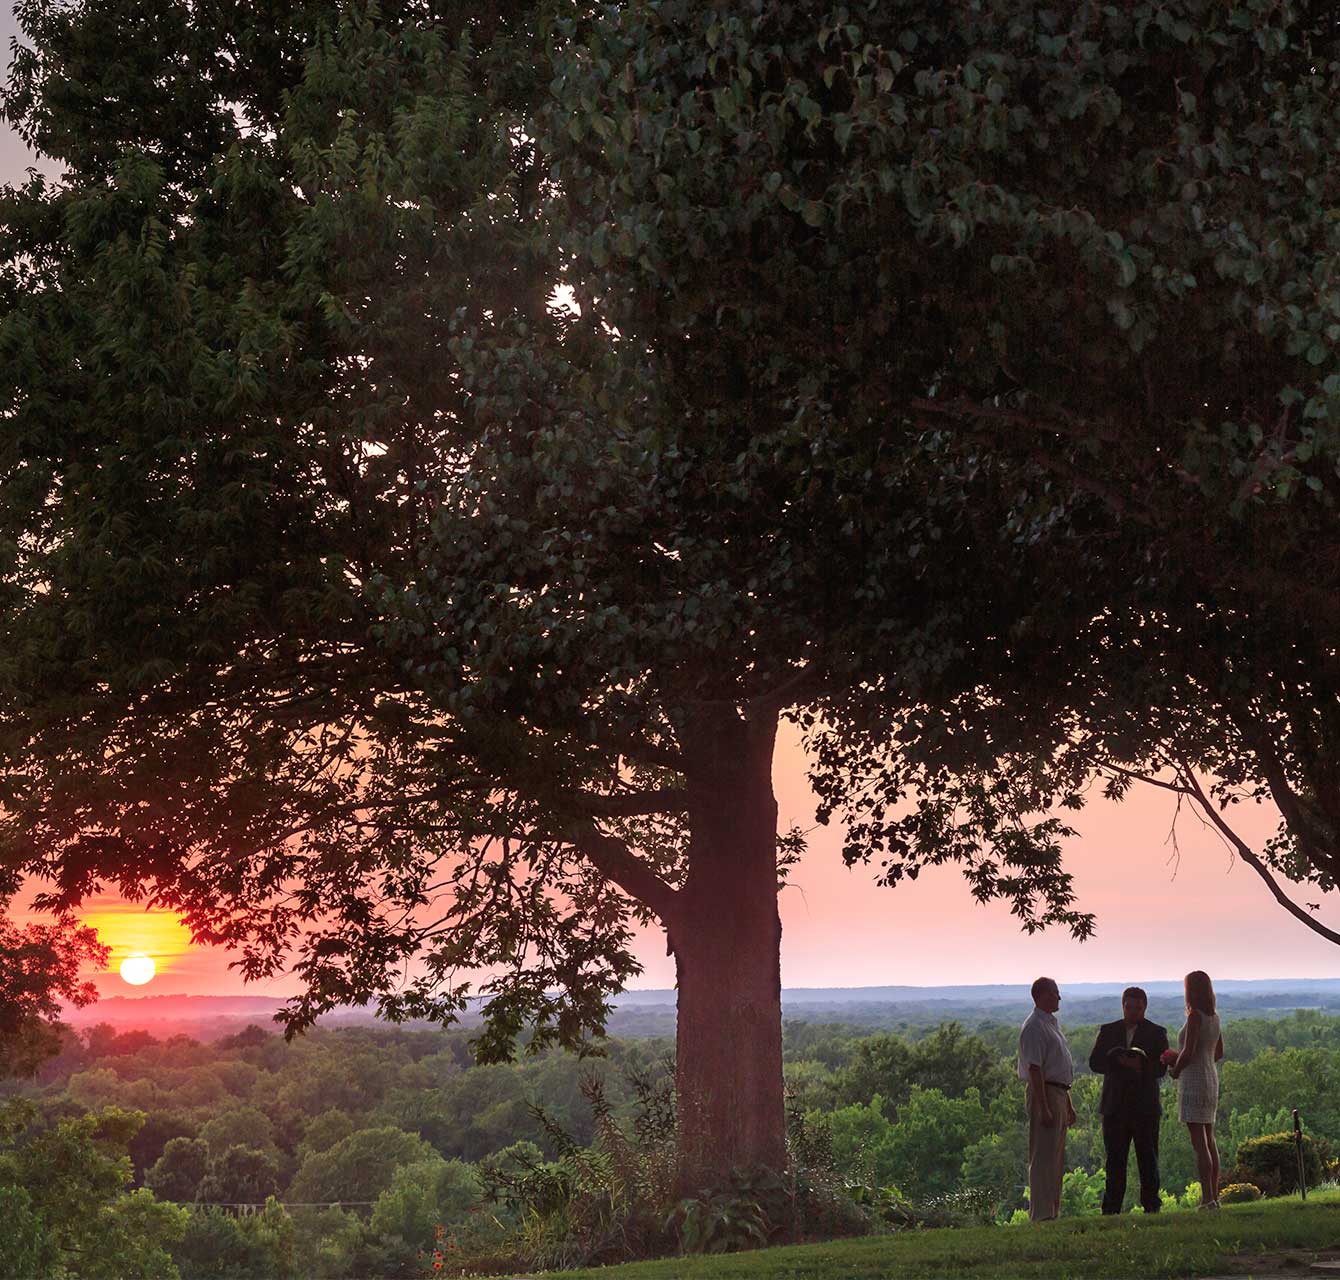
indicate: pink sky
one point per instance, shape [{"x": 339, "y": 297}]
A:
[
  {"x": 1157, "y": 916},
  {"x": 1155, "y": 919}
]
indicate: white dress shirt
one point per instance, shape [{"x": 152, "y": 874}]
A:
[{"x": 1041, "y": 1044}]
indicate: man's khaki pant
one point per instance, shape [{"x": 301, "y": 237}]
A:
[{"x": 1046, "y": 1153}]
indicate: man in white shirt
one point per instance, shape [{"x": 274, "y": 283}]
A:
[{"x": 1046, "y": 1067}]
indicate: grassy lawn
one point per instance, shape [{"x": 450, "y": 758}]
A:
[{"x": 1270, "y": 1238}]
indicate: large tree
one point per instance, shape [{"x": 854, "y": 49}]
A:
[{"x": 440, "y": 446}]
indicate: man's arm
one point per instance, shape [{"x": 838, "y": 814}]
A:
[
  {"x": 1098, "y": 1058},
  {"x": 1030, "y": 1056},
  {"x": 1044, "y": 1103}
]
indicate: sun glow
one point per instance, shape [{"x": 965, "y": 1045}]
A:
[
  {"x": 137, "y": 969},
  {"x": 145, "y": 944}
]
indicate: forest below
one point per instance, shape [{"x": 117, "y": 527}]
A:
[{"x": 377, "y": 1151}]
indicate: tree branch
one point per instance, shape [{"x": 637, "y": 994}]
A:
[
  {"x": 643, "y": 753},
  {"x": 633, "y": 804},
  {"x": 617, "y": 863},
  {"x": 804, "y": 681},
  {"x": 1304, "y": 827},
  {"x": 1147, "y": 778},
  {"x": 963, "y": 408},
  {"x": 1248, "y": 856}
]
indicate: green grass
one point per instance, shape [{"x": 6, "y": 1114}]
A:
[{"x": 1270, "y": 1238}]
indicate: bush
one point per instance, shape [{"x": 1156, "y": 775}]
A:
[
  {"x": 1239, "y": 1193},
  {"x": 742, "y": 1213},
  {"x": 1271, "y": 1163},
  {"x": 966, "y": 1207},
  {"x": 823, "y": 1208},
  {"x": 1266, "y": 1182},
  {"x": 592, "y": 1205},
  {"x": 1189, "y": 1199}
]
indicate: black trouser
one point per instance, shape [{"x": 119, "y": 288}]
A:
[{"x": 1118, "y": 1132}]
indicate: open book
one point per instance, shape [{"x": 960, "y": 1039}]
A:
[{"x": 1121, "y": 1048}]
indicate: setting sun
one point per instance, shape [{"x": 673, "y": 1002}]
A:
[
  {"x": 137, "y": 970},
  {"x": 147, "y": 945}
]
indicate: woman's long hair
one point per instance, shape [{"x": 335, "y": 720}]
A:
[{"x": 1199, "y": 992}]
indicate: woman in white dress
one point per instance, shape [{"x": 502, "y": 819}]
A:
[{"x": 1200, "y": 1045}]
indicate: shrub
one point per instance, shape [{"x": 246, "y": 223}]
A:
[
  {"x": 1271, "y": 1163},
  {"x": 1189, "y": 1199},
  {"x": 592, "y": 1205},
  {"x": 822, "y": 1208},
  {"x": 966, "y": 1207},
  {"x": 757, "y": 1207},
  {"x": 728, "y": 1217},
  {"x": 1239, "y": 1193},
  {"x": 824, "y": 1205}
]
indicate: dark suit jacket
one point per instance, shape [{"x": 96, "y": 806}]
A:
[{"x": 1135, "y": 1093}]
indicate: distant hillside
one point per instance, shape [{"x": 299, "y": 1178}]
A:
[{"x": 652, "y": 1013}]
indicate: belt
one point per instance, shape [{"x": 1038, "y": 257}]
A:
[{"x": 1056, "y": 1084}]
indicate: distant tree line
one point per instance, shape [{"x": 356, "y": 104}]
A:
[{"x": 126, "y": 1147}]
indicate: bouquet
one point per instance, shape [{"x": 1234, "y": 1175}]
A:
[{"x": 1168, "y": 1057}]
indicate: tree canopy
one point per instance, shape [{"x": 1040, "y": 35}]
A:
[
  {"x": 440, "y": 446},
  {"x": 43, "y": 967}
]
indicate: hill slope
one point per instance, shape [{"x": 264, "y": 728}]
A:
[{"x": 1274, "y": 1238}]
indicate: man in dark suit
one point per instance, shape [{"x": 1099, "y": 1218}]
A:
[{"x": 1128, "y": 1055}]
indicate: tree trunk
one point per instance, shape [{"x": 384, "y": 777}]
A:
[{"x": 726, "y": 936}]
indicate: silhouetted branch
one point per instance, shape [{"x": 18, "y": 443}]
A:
[
  {"x": 617, "y": 863},
  {"x": 1248, "y": 856},
  {"x": 634, "y": 804}
]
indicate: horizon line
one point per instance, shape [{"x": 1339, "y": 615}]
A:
[{"x": 1090, "y": 984}]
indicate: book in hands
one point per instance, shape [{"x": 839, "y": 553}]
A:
[{"x": 1121, "y": 1048}]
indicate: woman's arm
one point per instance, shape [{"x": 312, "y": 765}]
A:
[
  {"x": 1219, "y": 1049},
  {"x": 1161, "y": 1047},
  {"x": 1188, "y": 1049}
]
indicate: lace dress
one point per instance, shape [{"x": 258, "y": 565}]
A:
[{"x": 1198, "y": 1083}]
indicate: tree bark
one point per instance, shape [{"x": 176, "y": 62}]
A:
[{"x": 726, "y": 936}]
